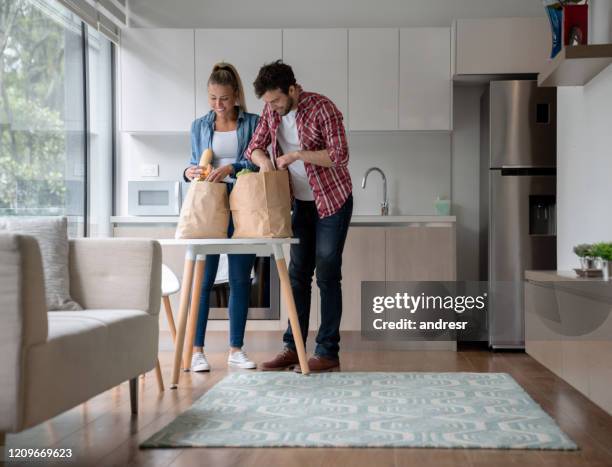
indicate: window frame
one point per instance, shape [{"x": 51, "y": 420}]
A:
[{"x": 110, "y": 155}]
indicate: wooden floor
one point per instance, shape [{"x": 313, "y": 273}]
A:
[{"x": 102, "y": 432}]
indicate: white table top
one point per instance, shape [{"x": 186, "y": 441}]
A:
[
  {"x": 227, "y": 241},
  {"x": 198, "y": 247}
]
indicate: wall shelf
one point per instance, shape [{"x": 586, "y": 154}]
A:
[{"x": 576, "y": 65}]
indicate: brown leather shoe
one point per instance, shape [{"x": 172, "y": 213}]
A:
[
  {"x": 285, "y": 360},
  {"x": 319, "y": 364}
]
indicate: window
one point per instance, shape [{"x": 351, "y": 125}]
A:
[
  {"x": 100, "y": 167},
  {"x": 44, "y": 142}
]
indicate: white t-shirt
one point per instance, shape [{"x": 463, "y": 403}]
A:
[
  {"x": 289, "y": 141},
  {"x": 225, "y": 148}
]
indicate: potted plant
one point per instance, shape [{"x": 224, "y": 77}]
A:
[
  {"x": 603, "y": 252},
  {"x": 585, "y": 253}
]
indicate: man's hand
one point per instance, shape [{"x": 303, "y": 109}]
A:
[
  {"x": 262, "y": 161},
  {"x": 285, "y": 160},
  {"x": 219, "y": 174},
  {"x": 266, "y": 166}
]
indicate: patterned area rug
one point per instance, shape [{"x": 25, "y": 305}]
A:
[{"x": 433, "y": 410}]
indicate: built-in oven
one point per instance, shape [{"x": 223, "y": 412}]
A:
[
  {"x": 264, "y": 295},
  {"x": 154, "y": 198}
]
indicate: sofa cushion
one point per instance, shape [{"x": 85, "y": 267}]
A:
[
  {"x": 52, "y": 236},
  {"x": 87, "y": 352},
  {"x": 134, "y": 335}
]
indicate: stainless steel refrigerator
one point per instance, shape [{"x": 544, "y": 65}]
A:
[{"x": 517, "y": 199}]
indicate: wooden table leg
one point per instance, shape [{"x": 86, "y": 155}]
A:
[
  {"x": 169, "y": 317},
  {"x": 158, "y": 375},
  {"x": 285, "y": 283},
  {"x": 196, "y": 293},
  {"x": 182, "y": 324}
]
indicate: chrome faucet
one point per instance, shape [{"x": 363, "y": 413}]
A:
[{"x": 384, "y": 206}]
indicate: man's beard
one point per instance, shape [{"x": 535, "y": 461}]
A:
[{"x": 288, "y": 107}]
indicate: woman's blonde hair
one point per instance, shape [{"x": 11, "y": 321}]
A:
[{"x": 225, "y": 74}]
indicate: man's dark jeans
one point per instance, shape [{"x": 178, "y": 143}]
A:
[{"x": 321, "y": 245}]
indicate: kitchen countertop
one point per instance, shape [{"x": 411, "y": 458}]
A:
[
  {"x": 567, "y": 282},
  {"x": 355, "y": 220},
  {"x": 558, "y": 276}
]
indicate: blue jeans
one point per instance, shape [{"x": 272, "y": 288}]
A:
[
  {"x": 240, "y": 267},
  {"x": 320, "y": 248}
]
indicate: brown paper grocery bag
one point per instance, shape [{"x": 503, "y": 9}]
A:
[
  {"x": 261, "y": 205},
  {"x": 205, "y": 212}
]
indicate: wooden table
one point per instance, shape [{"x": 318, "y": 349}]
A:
[{"x": 191, "y": 289}]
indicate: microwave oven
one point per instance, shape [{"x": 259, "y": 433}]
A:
[{"x": 155, "y": 197}]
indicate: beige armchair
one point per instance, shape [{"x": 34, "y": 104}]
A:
[{"x": 53, "y": 361}]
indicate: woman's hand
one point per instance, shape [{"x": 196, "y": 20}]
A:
[
  {"x": 219, "y": 174},
  {"x": 194, "y": 172}
]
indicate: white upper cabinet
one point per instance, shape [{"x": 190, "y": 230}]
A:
[
  {"x": 373, "y": 79},
  {"x": 319, "y": 59},
  {"x": 380, "y": 79},
  {"x": 501, "y": 45},
  {"x": 425, "y": 79},
  {"x": 246, "y": 49},
  {"x": 157, "y": 79}
]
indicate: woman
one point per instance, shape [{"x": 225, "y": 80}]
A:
[{"x": 227, "y": 129}]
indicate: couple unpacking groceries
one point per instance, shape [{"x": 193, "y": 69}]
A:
[{"x": 302, "y": 133}]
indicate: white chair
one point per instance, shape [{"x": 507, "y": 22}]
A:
[{"x": 170, "y": 285}]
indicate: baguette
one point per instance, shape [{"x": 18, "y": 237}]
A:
[{"x": 206, "y": 163}]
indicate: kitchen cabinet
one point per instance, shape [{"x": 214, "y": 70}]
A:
[
  {"x": 380, "y": 79},
  {"x": 363, "y": 260},
  {"x": 246, "y": 49},
  {"x": 393, "y": 253},
  {"x": 500, "y": 46},
  {"x": 373, "y": 79},
  {"x": 421, "y": 253},
  {"x": 319, "y": 59},
  {"x": 568, "y": 322},
  {"x": 157, "y": 79},
  {"x": 425, "y": 84},
  {"x": 406, "y": 249}
]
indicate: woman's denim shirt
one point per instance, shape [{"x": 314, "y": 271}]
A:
[{"x": 202, "y": 131}]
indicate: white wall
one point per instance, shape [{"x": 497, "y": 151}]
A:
[
  {"x": 171, "y": 151},
  {"x": 584, "y": 174},
  {"x": 416, "y": 164},
  {"x": 320, "y": 13}
]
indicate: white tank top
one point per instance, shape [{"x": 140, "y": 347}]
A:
[
  {"x": 225, "y": 149},
  {"x": 289, "y": 141}
]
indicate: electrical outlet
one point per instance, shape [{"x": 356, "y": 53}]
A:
[{"x": 149, "y": 170}]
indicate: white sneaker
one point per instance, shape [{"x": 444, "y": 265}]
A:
[
  {"x": 199, "y": 362},
  {"x": 240, "y": 359}
]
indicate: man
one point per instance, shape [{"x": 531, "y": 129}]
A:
[{"x": 308, "y": 139}]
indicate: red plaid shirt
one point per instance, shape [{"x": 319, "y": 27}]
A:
[{"x": 319, "y": 126}]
